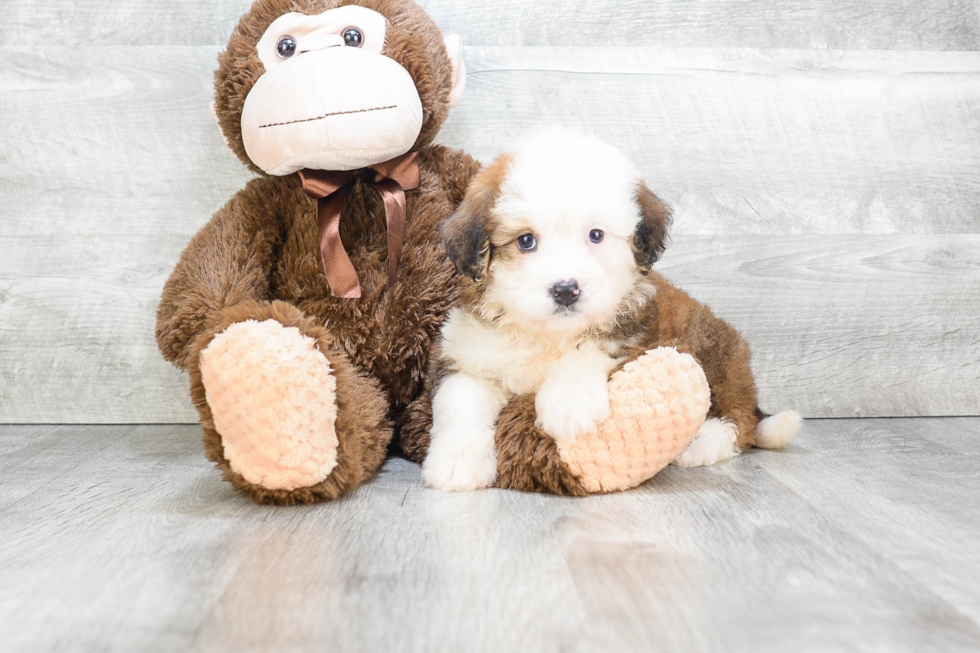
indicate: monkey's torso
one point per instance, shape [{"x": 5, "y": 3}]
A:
[{"x": 388, "y": 331}]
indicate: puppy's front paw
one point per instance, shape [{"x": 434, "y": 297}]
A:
[
  {"x": 566, "y": 410},
  {"x": 452, "y": 466}
]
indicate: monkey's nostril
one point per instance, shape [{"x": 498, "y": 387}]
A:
[{"x": 566, "y": 293}]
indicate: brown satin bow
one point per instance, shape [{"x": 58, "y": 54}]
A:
[{"x": 330, "y": 188}]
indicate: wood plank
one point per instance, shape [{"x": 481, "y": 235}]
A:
[
  {"x": 818, "y": 24},
  {"x": 777, "y": 142},
  {"x": 924, "y": 517},
  {"x": 108, "y": 164},
  {"x": 849, "y": 325},
  {"x": 843, "y": 325},
  {"x": 777, "y": 162},
  {"x": 784, "y": 142},
  {"x": 766, "y": 142},
  {"x": 856, "y": 538},
  {"x": 76, "y": 332},
  {"x": 90, "y": 130}
]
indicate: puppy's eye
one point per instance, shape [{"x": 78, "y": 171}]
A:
[
  {"x": 527, "y": 242},
  {"x": 596, "y": 235},
  {"x": 353, "y": 37},
  {"x": 286, "y": 47}
]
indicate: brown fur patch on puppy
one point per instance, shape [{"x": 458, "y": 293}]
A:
[
  {"x": 675, "y": 319},
  {"x": 467, "y": 233},
  {"x": 692, "y": 327},
  {"x": 650, "y": 239}
]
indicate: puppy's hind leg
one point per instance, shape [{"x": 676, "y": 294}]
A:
[
  {"x": 716, "y": 441},
  {"x": 721, "y": 438},
  {"x": 776, "y": 431}
]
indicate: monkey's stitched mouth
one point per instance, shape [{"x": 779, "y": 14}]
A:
[{"x": 326, "y": 115}]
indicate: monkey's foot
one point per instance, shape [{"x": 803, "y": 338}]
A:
[
  {"x": 657, "y": 403},
  {"x": 272, "y": 396}
]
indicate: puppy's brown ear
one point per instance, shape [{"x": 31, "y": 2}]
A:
[
  {"x": 466, "y": 233},
  {"x": 466, "y": 236},
  {"x": 650, "y": 238}
]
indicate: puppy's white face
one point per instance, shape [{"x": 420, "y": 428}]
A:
[{"x": 563, "y": 225}]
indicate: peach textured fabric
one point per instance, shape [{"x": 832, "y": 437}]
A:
[
  {"x": 657, "y": 404},
  {"x": 272, "y": 396}
]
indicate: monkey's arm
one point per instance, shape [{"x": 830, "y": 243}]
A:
[{"x": 225, "y": 265}]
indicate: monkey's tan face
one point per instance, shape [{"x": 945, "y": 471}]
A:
[{"x": 329, "y": 99}]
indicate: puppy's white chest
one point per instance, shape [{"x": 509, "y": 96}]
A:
[{"x": 496, "y": 355}]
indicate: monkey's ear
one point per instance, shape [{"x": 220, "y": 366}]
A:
[
  {"x": 454, "y": 47},
  {"x": 466, "y": 235},
  {"x": 650, "y": 238},
  {"x": 214, "y": 114}
]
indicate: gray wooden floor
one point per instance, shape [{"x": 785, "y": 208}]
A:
[{"x": 864, "y": 535}]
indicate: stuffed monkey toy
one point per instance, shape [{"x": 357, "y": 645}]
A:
[{"x": 305, "y": 309}]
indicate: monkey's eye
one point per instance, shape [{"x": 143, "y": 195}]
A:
[
  {"x": 596, "y": 235},
  {"x": 353, "y": 37},
  {"x": 527, "y": 242},
  {"x": 286, "y": 47}
]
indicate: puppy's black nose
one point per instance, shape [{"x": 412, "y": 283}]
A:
[{"x": 565, "y": 292}]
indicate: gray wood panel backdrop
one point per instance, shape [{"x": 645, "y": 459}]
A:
[{"x": 823, "y": 157}]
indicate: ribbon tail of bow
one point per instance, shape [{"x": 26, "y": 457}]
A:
[
  {"x": 394, "y": 200},
  {"x": 337, "y": 265}
]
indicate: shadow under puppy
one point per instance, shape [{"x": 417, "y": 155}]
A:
[{"x": 557, "y": 239}]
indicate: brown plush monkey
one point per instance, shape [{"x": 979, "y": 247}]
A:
[
  {"x": 305, "y": 309},
  {"x": 300, "y": 376}
]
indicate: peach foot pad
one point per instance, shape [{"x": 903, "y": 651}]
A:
[
  {"x": 272, "y": 396},
  {"x": 657, "y": 403}
]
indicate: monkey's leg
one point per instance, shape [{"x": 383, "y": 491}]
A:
[
  {"x": 657, "y": 403},
  {"x": 286, "y": 416}
]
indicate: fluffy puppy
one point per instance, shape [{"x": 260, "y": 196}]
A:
[{"x": 557, "y": 239}]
